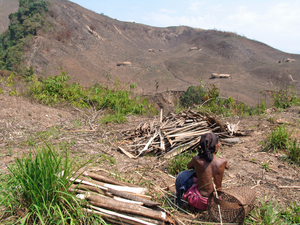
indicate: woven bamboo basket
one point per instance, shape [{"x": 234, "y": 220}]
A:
[{"x": 235, "y": 204}]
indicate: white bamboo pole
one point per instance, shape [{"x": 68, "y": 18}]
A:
[{"x": 217, "y": 197}]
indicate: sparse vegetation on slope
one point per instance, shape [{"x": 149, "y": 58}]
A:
[
  {"x": 286, "y": 98},
  {"x": 118, "y": 101},
  {"x": 209, "y": 101}
]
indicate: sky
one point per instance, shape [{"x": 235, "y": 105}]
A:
[{"x": 273, "y": 22}]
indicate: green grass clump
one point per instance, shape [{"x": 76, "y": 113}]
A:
[
  {"x": 270, "y": 213},
  {"x": 280, "y": 139},
  {"x": 294, "y": 151},
  {"x": 37, "y": 186},
  {"x": 291, "y": 215},
  {"x": 118, "y": 101},
  {"x": 179, "y": 162}
]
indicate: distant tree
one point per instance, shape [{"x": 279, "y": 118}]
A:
[
  {"x": 193, "y": 95},
  {"x": 24, "y": 24}
]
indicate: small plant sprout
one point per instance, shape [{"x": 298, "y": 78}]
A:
[{"x": 266, "y": 166}]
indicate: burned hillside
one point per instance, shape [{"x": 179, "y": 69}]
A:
[{"x": 89, "y": 47}]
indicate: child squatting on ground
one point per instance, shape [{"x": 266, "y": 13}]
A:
[{"x": 197, "y": 183}]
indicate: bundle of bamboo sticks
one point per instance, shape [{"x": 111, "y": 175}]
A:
[
  {"x": 176, "y": 133},
  {"x": 116, "y": 201}
]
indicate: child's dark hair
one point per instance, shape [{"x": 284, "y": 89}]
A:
[{"x": 208, "y": 145}]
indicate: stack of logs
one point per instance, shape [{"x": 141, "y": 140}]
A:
[
  {"x": 176, "y": 133},
  {"x": 118, "y": 202}
]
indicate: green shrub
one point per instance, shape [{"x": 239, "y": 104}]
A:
[
  {"x": 193, "y": 95},
  {"x": 278, "y": 139},
  {"x": 56, "y": 89},
  {"x": 286, "y": 98},
  {"x": 228, "y": 106},
  {"x": 38, "y": 184},
  {"x": 211, "y": 102}
]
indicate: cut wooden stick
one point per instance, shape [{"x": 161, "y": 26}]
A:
[
  {"x": 177, "y": 150},
  {"x": 112, "y": 204},
  {"x": 148, "y": 220},
  {"x": 87, "y": 188},
  {"x": 147, "y": 197},
  {"x": 169, "y": 139},
  {"x": 127, "y": 153},
  {"x": 190, "y": 134},
  {"x": 162, "y": 142},
  {"x": 107, "y": 179},
  {"x": 147, "y": 145},
  {"x": 117, "y": 216},
  {"x": 210, "y": 223},
  {"x": 217, "y": 197},
  {"x": 104, "y": 186},
  {"x": 80, "y": 181},
  {"x": 289, "y": 187},
  {"x": 132, "y": 197},
  {"x": 127, "y": 201},
  {"x": 137, "y": 190},
  {"x": 187, "y": 127}
]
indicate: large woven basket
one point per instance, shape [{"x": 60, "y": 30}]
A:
[{"x": 235, "y": 204}]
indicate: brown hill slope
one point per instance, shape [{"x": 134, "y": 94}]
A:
[
  {"x": 7, "y": 7},
  {"x": 88, "y": 46}
]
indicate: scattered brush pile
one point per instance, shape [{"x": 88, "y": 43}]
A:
[
  {"x": 118, "y": 202},
  {"x": 175, "y": 133}
]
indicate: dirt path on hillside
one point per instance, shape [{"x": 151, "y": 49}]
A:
[{"x": 24, "y": 124}]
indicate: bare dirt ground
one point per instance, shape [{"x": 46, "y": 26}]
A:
[{"x": 23, "y": 125}]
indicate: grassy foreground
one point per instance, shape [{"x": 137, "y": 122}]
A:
[{"x": 35, "y": 191}]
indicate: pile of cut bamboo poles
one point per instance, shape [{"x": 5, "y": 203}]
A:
[
  {"x": 176, "y": 133},
  {"x": 118, "y": 202}
]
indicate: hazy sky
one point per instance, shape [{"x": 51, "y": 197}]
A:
[{"x": 274, "y": 22}]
